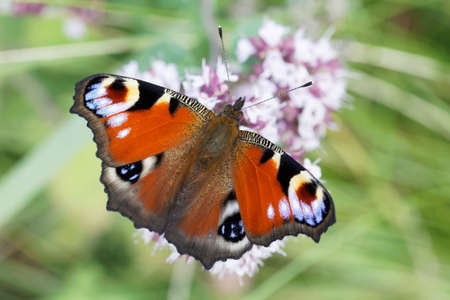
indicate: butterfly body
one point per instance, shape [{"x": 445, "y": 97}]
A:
[
  {"x": 218, "y": 139},
  {"x": 176, "y": 168}
]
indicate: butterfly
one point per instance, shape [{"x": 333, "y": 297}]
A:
[{"x": 175, "y": 167}]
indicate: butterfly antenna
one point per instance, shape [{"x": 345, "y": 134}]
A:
[
  {"x": 219, "y": 28},
  {"x": 309, "y": 83}
]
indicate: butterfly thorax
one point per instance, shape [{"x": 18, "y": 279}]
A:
[
  {"x": 218, "y": 139},
  {"x": 207, "y": 171},
  {"x": 222, "y": 132}
]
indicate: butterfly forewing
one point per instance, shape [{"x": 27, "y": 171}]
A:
[
  {"x": 277, "y": 195},
  {"x": 133, "y": 119}
]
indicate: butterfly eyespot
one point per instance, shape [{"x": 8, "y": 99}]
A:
[
  {"x": 288, "y": 169},
  {"x": 232, "y": 228},
  {"x": 118, "y": 85},
  {"x": 130, "y": 172},
  {"x": 310, "y": 187}
]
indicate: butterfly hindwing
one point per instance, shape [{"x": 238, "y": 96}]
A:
[
  {"x": 207, "y": 224},
  {"x": 145, "y": 191},
  {"x": 277, "y": 195},
  {"x": 224, "y": 239},
  {"x": 195, "y": 210},
  {"x": 134, "y": 119}
]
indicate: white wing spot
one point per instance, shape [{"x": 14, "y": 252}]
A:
[
  {"x": 98, "y": 103},
  {"x": 95, "y": 86},
  {"x": 322, "y": 206},
  {"x": 123, "y": 133},
  {"x": 307, "y": 212},
  {"x": 317, "y": 210},
  {"x": 117, "y": 120},
  {"x": 295, "y": 204},
  {"x": 103, "y": 101},
  {"x": 283, "y": 207},
  {"x": 270, "y": 212},
  {"x": 95, "y": 93},
  {"x": 231, "y": 208},
  {"x": 91, "y": 105},
  {"x": 113, "y": 109}
]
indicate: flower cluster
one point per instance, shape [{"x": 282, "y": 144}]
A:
[
  {"x": 210, "y": 86},
  {"x": 284, "y": 62},
  {"x": 247, "y": 265},
  {"x": 75, "y": 21},
  {"x": 297, "y": 120}
]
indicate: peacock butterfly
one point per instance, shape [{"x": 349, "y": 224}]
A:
[{"x": 173, "y": 166}]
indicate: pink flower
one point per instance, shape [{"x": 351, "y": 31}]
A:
[
  {"x": 244, "y": 50},
  {"x": 313, "y": 167},
  {"x": 75, "y": 25},
  {"x": 272, "y": 33},
  {"x": 26, "y": 8},
  {"x": 287, "y": 62},
  {"x": 247, "y": 265},
  {"x": 210, "y": 86},
  {"x": 250, "y": 261}
]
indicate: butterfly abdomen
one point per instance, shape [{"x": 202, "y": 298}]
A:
[{"x": 207, "y": 175}]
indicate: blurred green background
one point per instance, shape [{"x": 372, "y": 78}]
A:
[{"x": 387, "y": 166}]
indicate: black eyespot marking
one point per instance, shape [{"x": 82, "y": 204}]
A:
[
  {"x": 130, "y": 172},
  {"x": 159, "y": 158},
  {"x": 230, "y": 197},
  {"x": 288, "y": 168},
  {"x": 173, "y": 105},
  {"x": 267, "y": 154},
  {"x": 311, "y": 187},
  {"x": 232, "y": 229},
  {"x": 118, "y": 85},
  {"x": 148, "y": 95}
]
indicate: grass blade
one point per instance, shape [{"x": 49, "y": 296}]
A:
[{"x": 39, "y": 167}]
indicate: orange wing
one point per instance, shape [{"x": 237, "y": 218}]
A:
[
  {"x": 277, "y": 196},
  {"x": 133, "y": 119},
  {"x": 144, "y": 134}
]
